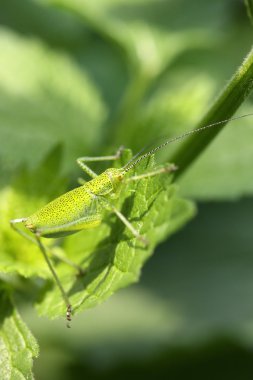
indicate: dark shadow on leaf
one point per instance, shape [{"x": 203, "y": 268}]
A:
[
  {"x": 5, "y": 306},
  {"x": 47, "y": 286}
]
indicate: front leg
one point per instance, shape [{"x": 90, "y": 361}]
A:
[
  {"x": 81, "y": 161},
  {"x": 169, "y": 168}
]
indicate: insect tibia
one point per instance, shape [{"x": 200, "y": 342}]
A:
[
  {"x": 169, "y": 168},
  {"x": 69, "y": 315}
]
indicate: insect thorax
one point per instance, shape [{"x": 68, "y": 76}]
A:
[{"x": 107, "y": 182}]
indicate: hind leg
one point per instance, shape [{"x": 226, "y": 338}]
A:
[
  {"x": 13, "y": 223},
  {"x": 43, "y": 250}
]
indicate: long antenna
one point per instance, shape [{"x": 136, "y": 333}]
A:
[{"x": 130, "y": 165}]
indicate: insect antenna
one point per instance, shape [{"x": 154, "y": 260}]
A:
[{"x": 133, "y": 162}]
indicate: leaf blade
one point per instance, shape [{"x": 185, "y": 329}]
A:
[{"x": 17, "y": 344}]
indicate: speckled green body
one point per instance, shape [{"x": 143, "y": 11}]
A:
[{"x": 77, "y": 209}]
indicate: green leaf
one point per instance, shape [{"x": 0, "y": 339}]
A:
[
  {"x": 45, "y": 99},
  {"x": 144, "y": 32},
  {"x": 18, "y": 346},
  {"x": 110, "y": 255},
  {"x": 149, "y": 45},
  {"x": 55, "y": 27},
  {"x": 29, "y": 191},
  {"x": 198, "y": 286}
]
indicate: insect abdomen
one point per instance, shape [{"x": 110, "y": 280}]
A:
[
  {"x": 66, "y": 210},
  {"x": 76, "y": 210}
]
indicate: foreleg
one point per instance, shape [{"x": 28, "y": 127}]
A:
[{"x": 81, "y": 161}]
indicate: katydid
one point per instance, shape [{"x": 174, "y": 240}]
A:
[{"x": 82, "y": 207}]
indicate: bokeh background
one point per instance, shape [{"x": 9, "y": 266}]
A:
[{"x": 92, "y": 76}]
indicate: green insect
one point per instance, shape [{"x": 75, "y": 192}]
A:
[{"x": 83, "y": 207}]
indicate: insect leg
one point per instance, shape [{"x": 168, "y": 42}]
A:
[
  {"x": 30, "y": 238},
  {"x": 129, "y": 226},
  {"x": 81, "y": 181},
  {"x": 13, "y": 223},
  {"x": 112, "y": 208},
  {"x": 81, "y": 161},
  {"x": 166, "y": 169},
  {"x": 57, "y": 280}
]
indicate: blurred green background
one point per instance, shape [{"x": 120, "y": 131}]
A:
[{"x": 91, "y": 76}]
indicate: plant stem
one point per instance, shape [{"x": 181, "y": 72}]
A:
[{"x": 223, "y": 108}]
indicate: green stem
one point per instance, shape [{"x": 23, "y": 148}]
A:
[{"x": 223, "y": 108}]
